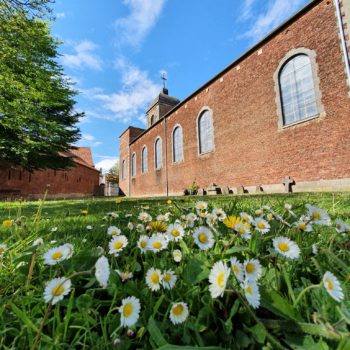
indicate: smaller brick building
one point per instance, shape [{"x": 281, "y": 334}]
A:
[{"x": 79, "y": 181}]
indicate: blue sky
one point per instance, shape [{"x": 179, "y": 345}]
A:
[{"x": 115, "y": 51}]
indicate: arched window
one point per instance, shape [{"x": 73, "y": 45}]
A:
[
  {"x": 152, "y": 119},
  {"x": 158, "y": 153},
  {"x": 144, "y": 161},
  {"x": 133, "y": 164},
  {"x": 205, "y": 132},
  {"x": 177, "y": 144},
  {"x": 297, "y": 90},
  {"x": 123, "y": 169}
]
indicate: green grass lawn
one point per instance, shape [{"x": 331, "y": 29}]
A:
[{"x": 88, "y": 316}]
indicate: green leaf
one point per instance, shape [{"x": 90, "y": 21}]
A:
[
  {"x": 195, "y": 271},
  {"x": 155, "y": 332},
  {"x": 186, "y": 347}
]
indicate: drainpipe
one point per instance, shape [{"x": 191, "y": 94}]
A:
[
  {"x": 129, "y": 167},
  {"x": 166, "y": 160},
  {"x": 343, "y": 42}
]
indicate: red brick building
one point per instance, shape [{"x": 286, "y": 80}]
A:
[
  {"x": 79, "y": 181},
  {"x": 281, "y": 109}
]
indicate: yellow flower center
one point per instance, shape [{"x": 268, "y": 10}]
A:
[
  {"x": 175, "y": 232},
  {"x": 1, "y": 250},
  {"x": 283, "y": 246},
  {"x": 235, "y": 269},
  {"x": 56, "y": 255},
  {"x": 7, "y": 223},
  {"x": 316, "y": 215},
  {"x": 118, "y": 245},
  {"x": 57, "y": 290},
  {"x": 143, "y": 244},
  {"x": 127, "y": 310},
  {"x": 178, "y": 310},
  {"x": 202, "y": 215},
  {"x": 241, "y": 230},
  {"x": 302, "y": 226},
  {"x": 249, "y": 290},
  {"x": 329, "y": 284},
  {"x": 114, "y": 232},
  {"x": 250, "y": 268},
  {"x": 157, "y": 245},
  {"x": 155, "y": 278},
  {"x": 202, "y": 237},
  {"x": 167, "y": 277},
  {"x": 221, "y": 279},
  {"x": 261, "y": 225}
]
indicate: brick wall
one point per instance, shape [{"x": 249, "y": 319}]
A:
[
  {"x": 250, "y": 147},
  {"x": 78, "y": 181}
]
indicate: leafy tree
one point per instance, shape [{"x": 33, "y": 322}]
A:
[
  {"x": 113, "y": 173},
  {"x": 37, "y": 117}
]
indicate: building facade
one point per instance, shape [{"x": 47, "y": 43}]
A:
[
  {"x": 281, "y": 109},
  {"x": 79, "y": 181}
]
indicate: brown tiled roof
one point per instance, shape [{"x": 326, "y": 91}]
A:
[{"x": 83, "y": 154}]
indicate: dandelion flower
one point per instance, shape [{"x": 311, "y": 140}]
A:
[
  {"x": 3, "y": 248},
  {"x": 203, "y": 237},
  {"x": 117, "y": 244},
  {"x": 142, "y": 243},
  {"x": 154, "y": 279},
  {"x": 84, "y": 212},
  {"x": 169, "y": 201},
  {"x": 55, "y": 255},
  {"x": 57, "y": 289},
  {"x": 252, "y": 269},
  {"x": 8, "y": 223},
  {"x": 158, "y": 226},
  {"x": 178, "y": 313},
  {"x": 169, "y": 279},
  {"x": 318, "y": 215},
  {"x": 237, "y": 268},
  {"x": 157, "y": 242},
  {"x": 129, "y": 311},
  {"x": 232, "y": 221},
  {"x": 177, "y": 255},
  {"x": 332, "y": 286},
  {"x": 261, "y": 225},
  {"x": 286, "y": 247},
  {"x": 175, "y": 232},
  {"x": 113, "y": 230},
  {"x": 251, "y": 292},
  {"x": 201, "y": 205},
  {"x": 102, "y": 271},
  {"x": 218, "y": 278}
]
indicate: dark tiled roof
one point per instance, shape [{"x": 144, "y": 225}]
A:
[{"x": 164, "y": 99}]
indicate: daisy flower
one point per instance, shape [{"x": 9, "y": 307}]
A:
[
  {"x": 140, "y": 228},
  {"x": 89, "y": 227},
  {"x": 340, "y": 226},
  {"x": 252, "y": 269},
  {"x": 177, "y": 255},
  {"x": 211, "y": 219},
  {"x": 142, "y": 243},
  {"x": 178, "y": 313},
  {"x": 303, "y": 224},
  {"x": 332, "y": 286},
  {"x": 130, "y": 226},
  {"x": 201, "y": 205},
  {"x": 102, "y": 271},
  {"x": 124, "y": 275},
  {"x": 129, "y": 311},
  {"x": 38, "y": 241},
  {"x": 286, "y": 247},
  {"x": 117, "y": 244},
  {"x": 113, "y": 214},
  {"x": 55, "y": 255},
  {"x": 3, "y": 248},
  {"x": 259, "y": 212},
  {"x": 220, "y": 214},
  {"x": 175, "y": 232},
  {"x": 202, "y": 214},
  {"x": 190, "y": 219},
  {"x": 57, "y": 289},
  {"x": 203, "y": 237},
  {"x": 54, "y": 229},
  {"x": 161, "y": 218},
  {"x": 237, "y": 268},
  {"x": 318, "y": 215},
  {"x": 314, "y": 249},
  {"x": 218, "y": 278},
  {"x": 243, "y": 230},
  {"x": 144, "y": 217},
  {"x": 113, "y": 230},
  {"x": 157, "y": 242},
  {"x": 153, "y": 279},
  {"x": 261, "y": 225},
  {"x": 169, "y": 279},
  {"x": 246, "y": 217},
  {"x": 251, "y": 292}
]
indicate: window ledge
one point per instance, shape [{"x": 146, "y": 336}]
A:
[
  {"x": 205, "y": 154},
  {"x": 319, "y": 115}
]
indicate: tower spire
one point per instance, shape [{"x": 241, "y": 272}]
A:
[{"x": 164, "y": 78}]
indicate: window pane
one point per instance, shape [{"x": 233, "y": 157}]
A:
[
  {"x": 144, "y": 160},
  {"x": 158, "y": 155},
  {"x": 133, "y": 165},
  {"x": 205, "y": 132},
  {"x": 123, "y": 169},
  {"x": 297, "y": 90},
  {"x": 177, "y": 144}
]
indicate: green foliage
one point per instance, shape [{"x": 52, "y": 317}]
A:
[
  {"x": 37, "y": 117},
  {"x": 89, "y": 318}
]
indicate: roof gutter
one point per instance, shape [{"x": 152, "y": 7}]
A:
[{"x": 342, "y": 38}]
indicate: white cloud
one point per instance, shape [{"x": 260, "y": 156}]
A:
[
  {"x": 277, "y": 11},
  {"x": 88, "y": 140},
  {"x": 247, "y": 11},
  {"x": 84, "y": 56},
  {"x": 60, "y": 15},
  {"x": 106, "y": 163},
  {"x": 143, "y": 15},
  {"x": 137, "y": 91}
]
